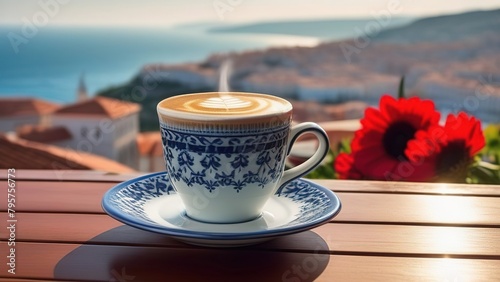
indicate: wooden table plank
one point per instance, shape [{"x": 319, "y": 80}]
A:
[
  {"x": 419, "y": 209},
  {"x": 105, "y": 263},
  {"x": 69, "y": 175},
  {"x": 394, "y": 240},
  {"x": 82, "y": 228},
  {"x": 76, "y": 197},
  {"x": 356, "y": 268},
  {"x": 403, "y": 240},
  {"x": 13, "y": 278},
  {"x": 35, "y": 260},
  {"x": 41, "y": 196},
  {"x": 409, "y": 187},
  {"x": 336, "y": 185}
]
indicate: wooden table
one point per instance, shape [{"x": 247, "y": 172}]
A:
[{"x": 386, "y": 231}]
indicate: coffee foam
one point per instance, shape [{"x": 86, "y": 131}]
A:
[
  {"x": 227, "y": 102},
  {"x": 226, "y": 105}
]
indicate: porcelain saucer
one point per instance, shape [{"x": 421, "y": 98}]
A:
[{"x": 150, "y": 203}]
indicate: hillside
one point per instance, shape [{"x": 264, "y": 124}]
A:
[
  {"x": 445, "y": 28},
  {"x": 459, "y": 75},
  {"x": 328, "y": 29}
]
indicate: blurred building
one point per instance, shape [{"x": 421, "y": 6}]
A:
[
  {"x": 18, "y": 153},
  {"x": 150, "y": 152},
  {"x": 15, "y": 112},
  {"x": 100, "y": 126}
]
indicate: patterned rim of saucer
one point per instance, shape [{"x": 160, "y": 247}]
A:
[{"x": 139, "y": 202}]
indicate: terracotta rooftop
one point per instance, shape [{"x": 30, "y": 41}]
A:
[
  {"x": 43, "y": 134},
  {"x": 100, "y": 106},
  {"x": 22, "y": 154},
  {"x": 149, "y": 144},
  {"x": 25, "y": 106}
]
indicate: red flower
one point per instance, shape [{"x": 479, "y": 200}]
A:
[
  {"x": 463, "y": 138},
  {"x": 344, "y": 167},
  {"x": 380, "y": 147},
  {"x": 402, "y": 140},
  {"x": 452, "y": 147}
]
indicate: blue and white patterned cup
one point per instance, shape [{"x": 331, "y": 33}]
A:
[{"x": 225, "y": 151}]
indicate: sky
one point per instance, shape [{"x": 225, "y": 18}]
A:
[{"x": 174, "y": 12}]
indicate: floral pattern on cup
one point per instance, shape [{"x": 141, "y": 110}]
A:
[{"x": 210, "y": 161}]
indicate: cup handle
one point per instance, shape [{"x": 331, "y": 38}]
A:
[{"x": 314, "y": 160}]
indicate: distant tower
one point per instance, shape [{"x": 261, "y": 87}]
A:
[{"x": 82, "y": 90}]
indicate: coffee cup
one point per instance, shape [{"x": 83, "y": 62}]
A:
[{"x": 225, "y": 151}]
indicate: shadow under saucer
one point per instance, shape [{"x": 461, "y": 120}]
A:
[{"x": 154, "y": 257}]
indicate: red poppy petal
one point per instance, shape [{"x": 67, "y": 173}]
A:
[
  {"x": 461, "y": 127},
  {"x": 374, "y": 120},
  {"x": 421, "y": 113},
  {"x": 366, "y": 158},
  {"x": 422, "y": 172},
  {"x": 382, "y": 170},
  {"x": 366, "y": 139},
  {"x": 476, "y": 137},
  {"x": 344, "y": 167},
  {"x": 372, "y": 151},
  {"x": 425, "y": 144},
  {"x": 390, "y": 108}
]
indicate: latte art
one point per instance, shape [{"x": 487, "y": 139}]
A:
[
  {"x": 227, "y": 102},
  {"x": 224, "y": 105}
]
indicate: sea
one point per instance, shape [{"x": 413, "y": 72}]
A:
[{"x": 48, "y": 62}]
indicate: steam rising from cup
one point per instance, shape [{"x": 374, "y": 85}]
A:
[{"x": 225, "y": 73}]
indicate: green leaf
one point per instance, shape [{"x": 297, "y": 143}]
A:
[
  {"x": 492, "y": 136},
  {"x": 492, "y": 167},
  {"x": 484, "y": 173},
  {"x": 344, "y": 146},
  {"x": 325, "y": 170}
]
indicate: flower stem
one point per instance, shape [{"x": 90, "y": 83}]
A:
[{"x": 401, "y": 90}]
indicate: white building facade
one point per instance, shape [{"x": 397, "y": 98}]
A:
[{"x": 102, "y": 126}]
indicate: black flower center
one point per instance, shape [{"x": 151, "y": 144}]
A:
[
  {"x": 395, "y": 138},
  {"x": 452, "y": 157}
]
